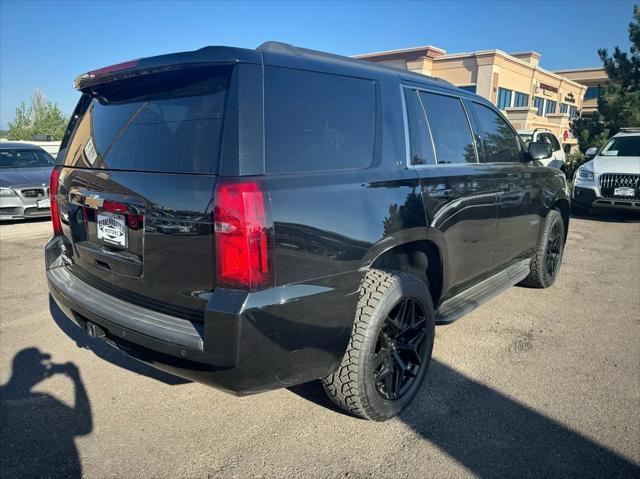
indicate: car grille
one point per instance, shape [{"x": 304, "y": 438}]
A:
[
  {"x": 35, "y": 192},
  {"x": 610, "y": 181}
]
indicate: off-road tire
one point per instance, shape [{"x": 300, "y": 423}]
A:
[
  {"x": 352, "y": 385},
  {"x": 539, "y": 276}
]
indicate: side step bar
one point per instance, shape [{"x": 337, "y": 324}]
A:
[{"x": 465, "y": 302}]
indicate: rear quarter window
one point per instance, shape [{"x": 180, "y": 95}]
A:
[{"x": 317, "y": 121}]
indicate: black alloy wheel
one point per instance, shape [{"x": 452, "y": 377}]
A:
[
  {"x": 554, "y": 250},
  {"x": 400, "y": 349}
]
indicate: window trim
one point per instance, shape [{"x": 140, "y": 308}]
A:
[{"x": 472, "y": 132}]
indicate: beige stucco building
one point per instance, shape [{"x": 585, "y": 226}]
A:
[
  {"x": 594, "y": 79},
  {"x": 530, "y": 96}
]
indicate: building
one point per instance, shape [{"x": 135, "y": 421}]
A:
[
  {"x": 529, "y": 96},
  {"x": 595, "y": 79}
]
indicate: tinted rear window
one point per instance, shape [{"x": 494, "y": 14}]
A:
[
  {"x": 317, "y": 122},
  {"x": 170, "y": 122}
]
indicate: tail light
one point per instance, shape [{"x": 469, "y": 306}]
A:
[
  {"x": 241, "y": 236},
  {"x": 53, "y": 198}
]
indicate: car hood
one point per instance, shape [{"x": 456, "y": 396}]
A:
[
  {"x": 616, "y": 164},
  {"x": 25, "y": 176}
]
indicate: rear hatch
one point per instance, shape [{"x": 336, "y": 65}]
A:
[{"x": 137, "y": 177}]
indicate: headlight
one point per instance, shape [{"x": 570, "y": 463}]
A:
[
  {"x": 585, "y": 174},
  {"x": 4, "y": 192}
]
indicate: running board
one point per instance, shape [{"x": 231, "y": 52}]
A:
[{"x": 465, "y": 302}]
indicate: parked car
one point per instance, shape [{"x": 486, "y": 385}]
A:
[
  {"x": 558, "y": 158},
  {"x": 612, "y": 178},
  {"x": 340, "y": 210},
  {"x": 24, "y": 181}
]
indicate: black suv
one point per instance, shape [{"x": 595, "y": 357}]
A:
[{"x": 256, "y": 219}]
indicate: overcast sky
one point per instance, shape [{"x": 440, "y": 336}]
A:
[{"x": 44, "y": 45}]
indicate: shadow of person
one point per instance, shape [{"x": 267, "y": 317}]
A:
[
  {"x": 101, "y": 349},
  {"x": 37, "y": 430}
]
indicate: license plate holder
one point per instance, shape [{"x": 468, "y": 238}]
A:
[
  {"x": 111, "y": 228},
  {"x": 624, "y": 191}
]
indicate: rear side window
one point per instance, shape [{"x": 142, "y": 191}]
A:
[
  {"x": 499, "y": 141},
  {"x": 449, "y": 129},
  {"x": 167, "y": 122},
  {"x": 419, "y": 138},
  {"x": 317, "y": 122}
]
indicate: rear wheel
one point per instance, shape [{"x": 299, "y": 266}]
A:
[
  {"x": 545, "y": 264},
  {"x": 390, "y": 348}
]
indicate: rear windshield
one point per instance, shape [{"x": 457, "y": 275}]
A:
[
  {"x": 166, "y": 122},
  {"x": 25, "y": 159}
]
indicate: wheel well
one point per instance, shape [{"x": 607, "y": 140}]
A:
[
  {"x": 563, "y": 207},
  {"x": 421, "y": 258}
]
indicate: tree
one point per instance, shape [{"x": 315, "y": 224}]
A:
[
  {"x": 42, "y": 117},
  {"x": 619, "y": 102}
]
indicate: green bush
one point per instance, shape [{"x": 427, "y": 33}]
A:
[{"x": 573, "y": 162}]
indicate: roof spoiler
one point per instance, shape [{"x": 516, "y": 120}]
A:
[{"x": 175, "y": 61}]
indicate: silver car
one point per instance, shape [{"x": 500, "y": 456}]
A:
[{"x": 24, "y": 181}]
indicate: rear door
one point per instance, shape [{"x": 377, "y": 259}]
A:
[
  {"x": 136, "y": 187},
  {"x": 519, "y": 185},
  {"x": 458, "y": 191}
]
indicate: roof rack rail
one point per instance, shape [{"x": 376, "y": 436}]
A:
[
  {"x": 630, "y": 129},
  {"x": 287, "y": 48},
  {"x": 280, "y": 47}
]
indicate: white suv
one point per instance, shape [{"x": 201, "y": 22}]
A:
[
  {"x": 557, "y": 159},
  {"x": 612, "y": 178}
]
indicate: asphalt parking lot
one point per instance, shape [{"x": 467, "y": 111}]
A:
[{"x": 532, "y": 384}]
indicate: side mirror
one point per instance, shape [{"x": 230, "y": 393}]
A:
[
  {"x": 591, "y": 152},
  {"x": 539, "y": 150}
]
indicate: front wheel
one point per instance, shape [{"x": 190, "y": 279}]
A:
[
  {"x": 545, "y": 264},
  {"x": 390, "y": 347}
]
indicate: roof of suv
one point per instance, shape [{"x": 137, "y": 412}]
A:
[
  {"x": 356, "y": 64},
  {"x": 628, "y": 132},
  {"x": 280, "y": 53}
]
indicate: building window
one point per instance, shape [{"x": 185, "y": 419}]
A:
[
  {"x": 538, "y": 103},
  {"x": 504, "y": 98},
  {"x": 551, "y": 107},
  {"x": 521, "y": 99},
  {"x": 564, "y": 108},
  {"x": 573, "y": 112},
  {"x": 593, "y": 92},
  {"x": 469, "y": 88}
]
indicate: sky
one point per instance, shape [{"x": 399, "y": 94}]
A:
[{"x": 45, "y": 45}]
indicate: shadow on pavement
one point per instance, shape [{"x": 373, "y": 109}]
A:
[
  {"x": 606, "y": 215},
  {"x": 41, "y": 219},
  {"x": 37, "y": 430},
  {"x": 108, "y": 353},
  {"x": 495, "y": 436}
]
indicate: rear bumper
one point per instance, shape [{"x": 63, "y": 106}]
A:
[{"x": 248, "y": 342}]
